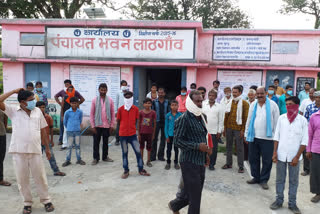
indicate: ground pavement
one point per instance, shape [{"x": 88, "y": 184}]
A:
[{"x": 100, "y": 190}]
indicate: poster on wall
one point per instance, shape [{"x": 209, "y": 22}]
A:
[
  {"x": 241, "y": 48},
  {"x": 86, "y": 80},
  {"x": 230, "y": 78},
  {"x": 120, "y": 43},
  {"x": 301, "y": 83}
]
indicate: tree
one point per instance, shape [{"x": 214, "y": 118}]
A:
[
  {"x": 213, "y": 13},
  {"x": 41, "y": 9},
  {"x": 310, "y": 7}
]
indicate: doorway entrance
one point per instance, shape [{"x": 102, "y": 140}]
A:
[{"x": 169, "y": 78}]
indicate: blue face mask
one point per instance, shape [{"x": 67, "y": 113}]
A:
[
  {"x": 39, "y": 89},
  {"x": 290, "y": 93},
  {"x": 31, "y": 105},
  {"x": 183, "y": 93},
  {"x": 271, "y": 92}
]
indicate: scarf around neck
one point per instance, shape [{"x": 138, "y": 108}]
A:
[
  {"x": 98, "y": 119},
  {"x": 239, "y": 109},
  {"x": 292, "y": 112},
  {"x": 128, "y": 103},
  {"x": 70, "y": 95}
]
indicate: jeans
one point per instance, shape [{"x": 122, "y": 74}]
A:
[
  {"x": 73, "y": 139},
  {"x": 3, "y": 147},
  {"x": 293, "y": 182},
  {"x": 159, "y": 128},
  {"x": 52, "y": 161},
  {"x": 124, "y": 141},
  {"x": 193, "y": 178},
  {"x": 213, "y": 156},
  {"x": 257, "y": 149},
  {"x": 61, "y": 131},
  {"x": 169, "y": 149},
  {"x": 231, "y": 134},
  {"x": 104, "y": 133}
]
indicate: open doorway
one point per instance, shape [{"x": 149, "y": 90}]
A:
[{"x": 169, "y": 78}]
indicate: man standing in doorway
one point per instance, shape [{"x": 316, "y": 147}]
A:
[
  {"x": 261, "y": 125},
  {"x": 62, "y": 94},
  {"x": 235, "y": 123},
  {"x": 28, "y": 131},
  {"x": 279, "y": 90},
  {"x": 216, "y": 85},
  {"x": 190, "y": 135},
  {"x": 161, "y": 107},
  {"x": 102, "y": 119},
  {"x": 283, "y": 97},
  {"x": 120, "y": 102},
  {"x": 305, "y": 93}
]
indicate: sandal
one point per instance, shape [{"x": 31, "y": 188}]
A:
[
  {"x": 49, "y": 207},
  {"x": 59, "y": 174},
  {"x": 226, "y": 166},
  {"x": 125, "y": 175},
  {"x": 5, "y": 183},
  {"x": 144, "y": 173},
  {"x": 27, "y": 210}
]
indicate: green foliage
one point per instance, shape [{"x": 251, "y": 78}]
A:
[
  {"x": 212, "y": 13},
  {"x": 310, "y": 7}
]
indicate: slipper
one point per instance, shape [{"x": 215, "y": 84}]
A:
[
  {"x": 59, "y": 174},
  {"x": 27, "y": 210},
  {"x": 5, "y": 183},
  {"x": 125, "y": 175},
  {"x": 49, "y": 207},
  {"x": 144, "y": 173}
]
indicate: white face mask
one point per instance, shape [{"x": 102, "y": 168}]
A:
[
  {"x": 237, "y": 98},
  {"x": 124, "y": 88},
  {"x": 128, "y": 103}
]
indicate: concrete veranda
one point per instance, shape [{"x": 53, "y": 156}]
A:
[{"x": 100, "y": 190}]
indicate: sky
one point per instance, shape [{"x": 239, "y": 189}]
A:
[{"x": 264, "y": 14}]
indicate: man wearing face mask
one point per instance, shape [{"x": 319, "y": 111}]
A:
[
  {"x": 41, "y": 93},
  {"x": 271, "y": 94},
  {"x": 182, "y": 99},
  {"x": 283, "y": 97},
  {"x": 127, "y": 117},
  {"x": 28, "y": 131},
  {"x": 120, "y": 102},
  {"x": 190, "y": 135}
]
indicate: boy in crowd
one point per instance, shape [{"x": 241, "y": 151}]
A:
[
  {"x": 127, "y": 117},
  {"x": 49, "y": 129},
  {"x": 146, "y": 128},
  {"x": 271, "y": 94},
  {"x": 168, "y": 130},
  {"x": 290, "y": 140},
  {"x": 72, "y": 121},
  {"x": 3, "y": 145}
]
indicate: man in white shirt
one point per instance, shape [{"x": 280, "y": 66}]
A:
[
  {"x": 215, "y": 114},
  {"x": 260, "y": 127},
  {"x": 290, "y": 140},
  {"x": 28, "y": 131},
  {"x": 216, "y": 85}
]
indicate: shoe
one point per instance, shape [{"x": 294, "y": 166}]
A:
[
  {"x": 177, "y": 166},
  {"x": 108, "y": 160},
  {"x": 117, "y": 143},
  {"x": 60, "y": 143},
  {"x": 226, "y": 166},
  {"x": 94, "y": 162},
  {"x": 211, "y": 168},
  {"x": 169, "y": 205},
  {"x": 149, "y": 164},
  {"x": 167, "y": 166},
  {"x": 63, "y": 148},
  {"x": 275, "y": 205},
  {"x": 125, "y": 175},
  {"x": 81, "y": 162},
  {"x": 252, "y": 181},
  {"x": 59, "y": 174},
  {"x": 264, "y": 186},
  {"x": 241, "y": 170},
  {"x": 315, "y": 199},
  {"x": 161, "y": 159},
  {"x": 67, "y": 163},
  {"x": 305, "y": 173},
  {"x": 295, "y": 209}
]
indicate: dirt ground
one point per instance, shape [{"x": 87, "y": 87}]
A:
[{"x": 100, "y": 190}]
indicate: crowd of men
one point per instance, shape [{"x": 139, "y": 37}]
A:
[{"x": 269, "y": 124}]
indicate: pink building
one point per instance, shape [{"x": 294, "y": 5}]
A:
[{"x": 170, "y": 53}]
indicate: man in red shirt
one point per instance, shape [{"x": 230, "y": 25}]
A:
[{"x": 127, "y": 117}]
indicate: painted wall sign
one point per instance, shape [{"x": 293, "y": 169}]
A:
[
  {"x": 119, "y": 43},
  {"x": 241, "y": 48},
  {"x": 230, "y": 78},
  {"x": 86, "y": 80}
]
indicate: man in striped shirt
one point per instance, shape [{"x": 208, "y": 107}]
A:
[{"x": 190, "y": 136}]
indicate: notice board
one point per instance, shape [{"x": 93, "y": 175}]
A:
[
  {"x": 86, "y": 80},
  {"x": 301, "y": 81},
  {"x": 230, "y": 78}
]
